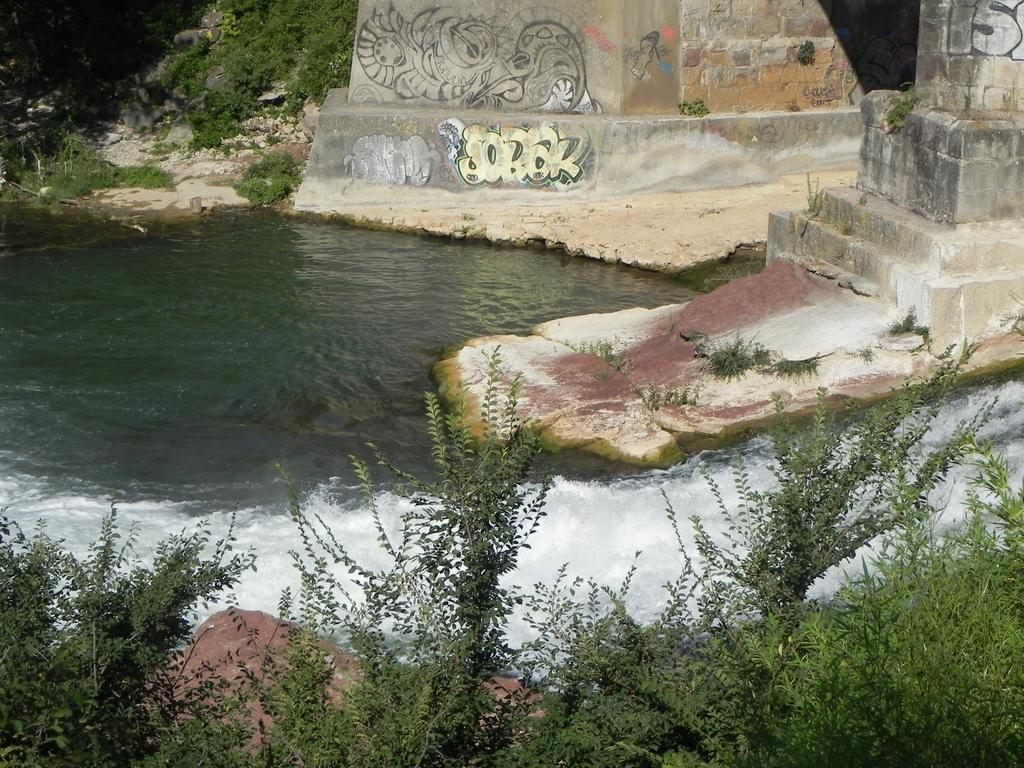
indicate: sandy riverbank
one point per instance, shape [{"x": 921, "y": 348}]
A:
[{"x": 663, "y": 231}]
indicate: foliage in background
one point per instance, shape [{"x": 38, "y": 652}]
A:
[
  {"x": 81, "y": 51},
  {"x": 83, "y": 641},
  {"x": 306, "y": 45},
  {"x": 74, "y": 170},
  {"x": 270, "y": 179}
]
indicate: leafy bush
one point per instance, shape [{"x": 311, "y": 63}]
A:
[
  {"x": 305, "y": 44},
  {"x": 900, "y": 109},
  {"x": 805, "y": 54},
  {"x": 731, "y": 359},
  {"x": 270, "y": 179},
  {"x": 837, "y": 491},
  {"x": 83, "y": 641},
  {"x": 916, "y": 665},
  {"x": 429, "y": 630},
  {"x": 695, "y": 108},
  {"x": 76, "y": 169}
]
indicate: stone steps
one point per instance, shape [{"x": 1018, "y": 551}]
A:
[{"x": 960, "y": 281}]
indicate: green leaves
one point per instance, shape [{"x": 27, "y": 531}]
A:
[
  {"x": 84, "y": 642},
  {"x": 441, "y": 603}
]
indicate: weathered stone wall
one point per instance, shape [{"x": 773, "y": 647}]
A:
[
  {"x": 636, "y": 57},
  {"x": 587, "y": 57},
  {"x": 494, "y": 152},
  {"x": 743, "y": 55},
  {"x": 972, "y": 55},
  {"x": 960, "y": 155}
]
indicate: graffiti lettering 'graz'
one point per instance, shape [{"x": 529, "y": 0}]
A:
[
  {"x": 475, "y": 62},
  {"x": 997, "y": 28},
  {"x": 537, "y": 156},
  {"x": 387, "y": 160}
]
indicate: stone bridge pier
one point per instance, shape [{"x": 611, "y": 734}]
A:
[
  {"x": 934, "y": 224},
  {"x": 585, "y": 96}
]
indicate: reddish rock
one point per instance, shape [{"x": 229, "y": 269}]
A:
[{"x": 236, "y": 648}]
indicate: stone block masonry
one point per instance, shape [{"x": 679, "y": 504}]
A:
[
  {"x": 587, "y": 57},
  {"x": 936, "y": 224},
  {"x": 636, "y": 57},
  {"x": 749, "y": 55},
  {"x": 496, "y": 153}
]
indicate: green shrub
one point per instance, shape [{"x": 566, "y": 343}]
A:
[
  {"x": 85, "y": 643},
  {"x": 186, "y": 72},
  {"x": 75, "y": 169},
  {"x": 429, "y": 629},
  {"x": 916, "y": 665},
  {"x": 837, "y": 491},
  {"x": 805, "y": 53},
  {"x": 732, "y": 359},
  {"x": 695, "y": 108},
  {"x": 900, "y": 109},
  {"x": 144, "y": 176},
  {"x": 909, "y": 324},
  {"x": 795, "y": 369},
  {"x": 269, "y": 180},
  {"x": 305, "y": 44}
]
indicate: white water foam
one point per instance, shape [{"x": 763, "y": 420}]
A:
[{"x": 596, "y": 527}]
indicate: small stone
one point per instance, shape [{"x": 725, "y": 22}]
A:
[
  {"x": 212, "y": 19},
  {"x": 195, "y": 204},
  {"x": 110, "y": 139},
  {"x": 180, "y": 133},
  {"x": 275, "y": 95},
  {"x": 903, "y": 342},
  {"x": 189, "y": 37},
  {"x": 216, "y": 80},
  {"x": 310, "y": 118}
]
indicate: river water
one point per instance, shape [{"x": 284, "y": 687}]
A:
[{"x": 172, "y": 372}]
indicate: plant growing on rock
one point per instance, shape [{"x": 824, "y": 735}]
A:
[
  {"x": 900, "y": 109},
  {"x": 805, "y": 53},
  {"x": 694, "y": 108},
  {"x": 909, "y": 324},
  {"x": 732, "y": 359}
]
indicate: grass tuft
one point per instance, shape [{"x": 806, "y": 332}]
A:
[
  {"x": 909, "y": 324},
  {"x": 731, "y": 359},
  {"x": 270, "y": 180}
]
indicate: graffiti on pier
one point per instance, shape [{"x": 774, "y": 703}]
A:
[
  {"x": 997, "y": 28},
  {"x": 886, "y": 61},
  {"x": 534, "y": 63},
  {"x": 535, "y": 156},
  {"x": 386, "y": 160},
  {"x": 649, "y": 55},
  {"x": 821, "y": 95}
]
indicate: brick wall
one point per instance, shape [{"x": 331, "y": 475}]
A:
[{"x": 743, "y": 55}]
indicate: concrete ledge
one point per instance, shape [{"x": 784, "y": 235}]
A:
[{"x": 488, "y": 153}]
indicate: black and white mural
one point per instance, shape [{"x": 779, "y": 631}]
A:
[{"x": 534, "y": 62}]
